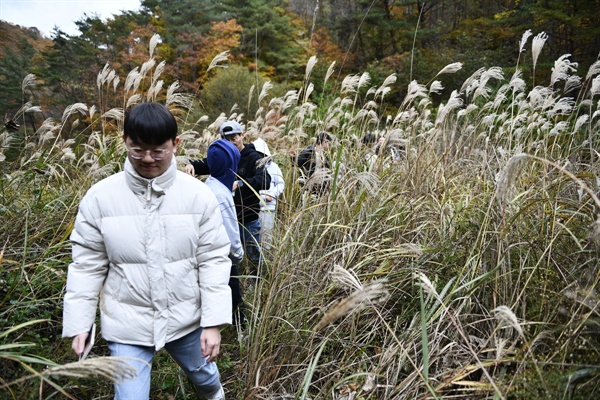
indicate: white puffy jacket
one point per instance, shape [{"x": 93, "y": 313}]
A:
[{"x": 157, "y": 254}]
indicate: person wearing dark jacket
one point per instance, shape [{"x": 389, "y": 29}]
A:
[
  {"x": 314, "y": 157},
  {"x": 252, "y": 178}
]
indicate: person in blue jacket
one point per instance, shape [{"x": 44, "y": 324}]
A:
[{"x": 251, "y": 179}]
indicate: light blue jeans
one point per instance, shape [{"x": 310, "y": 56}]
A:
[{"x": 185, "y": 351}]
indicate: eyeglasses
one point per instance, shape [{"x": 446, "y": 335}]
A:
[{"x": 157, "y": 154}]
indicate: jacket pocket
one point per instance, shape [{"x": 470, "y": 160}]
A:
[{"x": 130, "y": 288}]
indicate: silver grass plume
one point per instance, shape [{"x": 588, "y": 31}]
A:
[
  {"x": 116, "y": 81},
  {"x": 153, "y": 42},
  {"x": 365, "y": 79},
  {"x": 538, "y": 96},
  {"x": 469, "y": 81},
  {"x": 154, "y": 90},
  {"x": 594, "y": 70},
  {"x": 29, "y": 81},
  {"x": 218, "y": 58},
  {"x": 524, "y": 39},
  {"x": 158, "y": 72},
  {"x": 360, "y": 298},
  {"x": 385, "y": 86},
  {"x": 133, "y": 100},
  {"x": 483, "y": 89},
  {"x": 291, "y": 98},
  {"x": 564, "y": 106},
  {"x": 562, "y": 67},
  {"x": 371, "y": 105},
  {"x": 516, "y": 83},
  {"x": 112, "y": 368},
  {"x": 349, "y": 84},
  {"x": 147, "y": 66},
  {"x": 309, "y": 89},
  {"x": 343, "y": 277},
  {"x": 415, "y": 91},
  {"x": 505, "y": 179},
  {"x": 580, "y": 121},
  {"x": 267, "y": 86},
  {"x": 33, "y": 109},
  {"x": 74, "y": 108},
  {"x": 507, "y": 318},
  {"x": 26, "y": 106},
  {"x": 329, "y": 72},
  {"x": 312, "y": 61},
  {"x": 102, "y": 76},
  {"x": 450, "y": 69},
  {"x": 436, "y": 87},
  {"x": 114, "y": 113},
  {"x": 110, "y": 77},
  {"x": 426, "y": 285},
  {"x": 368, "y": 180},
  {"x": 595, "y": 90},
  {"x": 251, "y": 94},
  {"x": 180, "y": 99},
  {"x": 536, "y": 46},
  {"x": 454, "y": 102},
  {"x": 171, "y": 92},
  {"x": 131, "y": 79}
]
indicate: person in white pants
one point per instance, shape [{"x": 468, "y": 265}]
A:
[{"x": 268, "y": 205}]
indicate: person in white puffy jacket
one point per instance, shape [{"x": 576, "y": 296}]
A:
[{"x": 150, "y": 241}]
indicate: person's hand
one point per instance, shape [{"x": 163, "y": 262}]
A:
[
  {"x": 79, "y": 343},
  {"x": 235, "y": 186},
  {"x": 268, "y": 198},
  {"x": 210, "y": 342},
  {"x": 189, "y": 169}
]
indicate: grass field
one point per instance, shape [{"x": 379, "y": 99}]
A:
[{"x": 468, "y": 268}]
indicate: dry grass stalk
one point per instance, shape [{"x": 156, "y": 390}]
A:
[
  {"x": 369, "y": 294},
  {"x": 112, "y": 368}
]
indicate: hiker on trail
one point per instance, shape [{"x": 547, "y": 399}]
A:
[
  {"x": 223, "y": 159},
  {"x": 315, "y": 166},
  {"x": 314, "y": 157},
  {"x": 268, "y": 206},
  {"x": 252, "y": 178},
  {"x": 151, "y": 239}
]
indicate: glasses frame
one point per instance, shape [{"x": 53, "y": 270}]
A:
[{"x": 130, "y": 151}]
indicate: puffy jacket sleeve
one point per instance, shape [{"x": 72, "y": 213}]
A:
[
  {"x": 86, "y": 273},
  {"x": 214, "y": 267},
  {"x": 277, "y": 182}
]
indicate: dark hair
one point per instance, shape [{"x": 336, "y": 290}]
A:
[
  {"x": 150, "y": 123},
  {"x": 369, "y": 138},
  {"x": 323, "y": 137}
]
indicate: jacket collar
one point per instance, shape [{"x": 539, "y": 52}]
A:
[{"x": 138, "y": 183}]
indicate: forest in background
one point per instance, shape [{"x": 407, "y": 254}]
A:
[{"x": 275, "y": 39}]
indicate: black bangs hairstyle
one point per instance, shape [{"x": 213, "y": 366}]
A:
[
  {"x": 323, "y": 137},
  {"x": 150, "y": 123}
]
